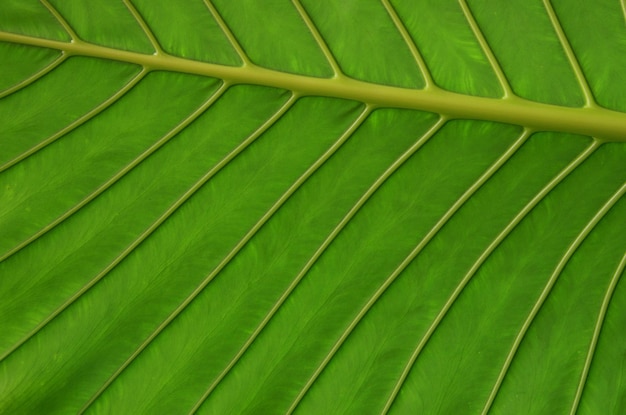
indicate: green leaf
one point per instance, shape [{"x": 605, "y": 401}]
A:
[{"x": 318, "y": 207}]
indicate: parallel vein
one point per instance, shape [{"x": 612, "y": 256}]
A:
[
  {"x": 602, "y": 124},
  {"x": 491, "y": 58},
  {"x": 409, "y": 258},
  {"x": 319, "y": 252},
  {"x": 548, "y": 288},
  {"x": 34, "y": 77},
  {"x": 571, "y": 57},
  {"x": 227, "y": 32},
  {"x": 144, "y": 27},
  {"x": 267, "y": 216},
  {"x": 121, "y": 173},
  {"x": 141, "y": 237},
  {"x": 73, "y": 125},
  {"x": 72, "y": 34},
  {"x": 321, "y": 43},
  {"x": 478, "y": 263},
  {"x": 596, "y": 333},
  {"x": 417, "y": 56}
]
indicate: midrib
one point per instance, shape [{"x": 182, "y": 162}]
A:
[{"x": 604, "y": 124}]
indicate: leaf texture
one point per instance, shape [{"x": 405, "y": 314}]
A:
[{"x": 317, "y": 207}]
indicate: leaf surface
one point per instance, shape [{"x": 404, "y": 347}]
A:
[{"x": 313, "y": 207}]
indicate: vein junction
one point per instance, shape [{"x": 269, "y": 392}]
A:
[{"x": 600, "y": 123}]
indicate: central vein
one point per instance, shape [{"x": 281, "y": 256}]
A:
[{"x": 601, "y": 123}]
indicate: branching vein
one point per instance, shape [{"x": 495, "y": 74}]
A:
[
  {"x": 342, "y": 139},
  {"x": 419, "y": 60},
  {"x": 205, "y": 282},
  {"x": 34, "y": 77},
  {"x": 137, "y": 241},
  {"x": 321, "y": 43},
  {"x": 158, "y": 50},
  {"x": 478, "y": 263},
  {"x": 61, "y": 20},
  {"x": 412, "y": 255},
  {"x": 504, "y": 83},
  {"x": 228, "y": 33},
  {"x": 548, "y": 288},
  {"x": 596, "y": 333},
  {"x": 154, "y": 147},
  {"x": 571, "y": 56},
  {"x": 168, "y": 213},
  {"x": 73, "y": 125}
]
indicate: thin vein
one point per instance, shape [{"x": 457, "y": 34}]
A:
[
  {"x": 318, "y": 253},
  {"x": 141, "y": 237},
  {"x": 321, "y": 43},
  {"x": 73, "y": 36},
  {"x": 478, "y": 263},
  {"x": 491, "y": 58},
  {"x": 34, "y": 77},
  {"x": 596, "y": 333},
  {"x": 73, "y": 125},
  {"x": 205, "y": 282},
  {"x": 409, "y": 258},
  {"x": 623, "y": 4},
  {"x": 321, "y": 249},
  {"x": 158, "y": 50},
  {"x": 228, "y": 33},
  {"x": 154, "y": 147},
  {"x": 547, "y": 289},
  {"x": 571, "y": 56},
  {"x": 417, "y": 56}
]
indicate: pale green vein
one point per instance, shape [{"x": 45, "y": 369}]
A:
[
  {"x": 318, "y": 253},
  {"x": 602, "y": 123},
  {"x": 228, "y": 33},
  {"x": 504, "y": 83},
  {"x": 144, "y": 26},
  {"x": 409, "y": 258},
  {"x": 547, "y": 289},
  {"x": 150, "y": 229},
  {"x": 571, "y": 56},
  {"x": 337, "y": 72},
  {"x": 272, "y": 210},
  {"x": 34, "y": 77},
  {"x": 478, "y": 263},
  {"x": 623, "y": 4},
  {"x": 154, "y": 147},
  {"x": 74, "y": 37},
  {"x": 417, "y": 56},
  {"x": 73, "y": 125},
  {"x": 596, "y": 334}
]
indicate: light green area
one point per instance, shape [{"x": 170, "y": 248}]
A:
[
  {"x": 527, "y": 48},
  {"x": 312, "y": 207},
  {"x": 273, "y": 35},
  {"x": 71, "y": 88},
  {"x": 278, "y": 251},
  {"x": 360, "y": 56},
  {"x": 601, "y": 47},
  {"x": 162, "y": 183},
  {"x": 187, "y": 29},
  {"x": 388, "y": 337},
  {"x": 42, "y": 187},
  {"x": 105, "y": 23},
  {"x": 30, "y": 18},
  {"x": 21, "y": 63},
  {"x": 454, "y": 56}
]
